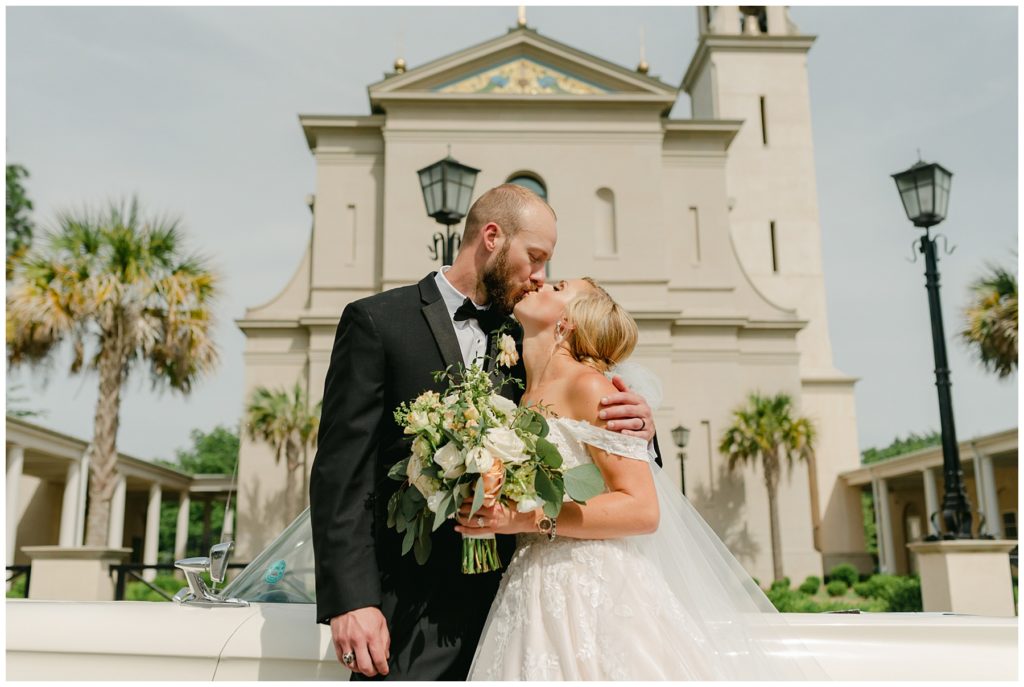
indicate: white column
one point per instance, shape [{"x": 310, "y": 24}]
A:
[
  {"x": 992, "y": 512},
  {"x": 883, "y": 526},
  {"x": 15, "y": 466},
  {"x": 886, "y": 539},
  {"x": 115, "y": 531},
  {"x": 931, "y": 499},
  {"x": 181, "y": 532},
  {"x": 229, "y": 522},
  {"x": 152, "y": 542},
  {"x": 69, "y": 506},
  {"x": 979, "y": 492}
]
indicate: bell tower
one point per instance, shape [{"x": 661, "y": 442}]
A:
[{"x": 751, "y": 64}]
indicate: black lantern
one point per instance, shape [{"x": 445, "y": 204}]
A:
[
  {"x": 680, "y": 435},
  {"x": 447, "y": 191},
  {"x": 924, "y": 190}
]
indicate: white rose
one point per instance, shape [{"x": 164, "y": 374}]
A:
[
  {"x": 479, "y": 460},
  {"x": 414, "y": 468},
  {"x": 450, "y": 460},
  {"x": 417, "y": 422},
  {"x": 420, "y": 448},
  {"x": 505, "y": 444},
  {"x": 435, "y": 499},
  {"x": 507, "y": 353},
  {"x": 503, "y": 405},
  {"x": 529, "y": 503},
  {"x": 426, "y": 486}
]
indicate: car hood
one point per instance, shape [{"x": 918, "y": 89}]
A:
[{"x": 189, "y": 637}]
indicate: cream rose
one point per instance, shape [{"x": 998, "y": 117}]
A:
[
  {"x": 435, "y": 499},
  {"x": 505, "y": 444},
  {"x": 503, "y": 405},
  {"x": 418, "y": 421},
  {"x": 479, "y": 459},
  {"x": 507, "y": 353},
  {"x": 420, "y": 448},
  {"x": 529, "y": 503},
  {"x": 450, "y": 460}
]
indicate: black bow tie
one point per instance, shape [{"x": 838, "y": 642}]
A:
[{"x": 488, "y": 318}]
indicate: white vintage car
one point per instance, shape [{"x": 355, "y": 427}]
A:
[{"x": 261, "y": 627}]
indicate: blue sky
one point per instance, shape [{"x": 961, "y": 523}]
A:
[{"x": 195, "y": 109}]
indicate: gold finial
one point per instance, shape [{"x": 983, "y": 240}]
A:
[
  {"x": 643, "y": 67},
  {"x": 399, "y": 66},
  {"x": 522, "y": 17}
]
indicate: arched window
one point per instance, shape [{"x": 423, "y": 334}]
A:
[{"x": 531, "y": 182}]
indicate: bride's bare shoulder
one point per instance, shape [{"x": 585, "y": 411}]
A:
[{"x": 587, "y": 389}]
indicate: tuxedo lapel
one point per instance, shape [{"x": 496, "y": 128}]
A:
[{"x": 439, "y": 321}]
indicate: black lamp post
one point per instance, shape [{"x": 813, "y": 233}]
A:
[
  {"x": 681, "y": 436},
  {"x": 924, "y": 190},
  {"x": 447, "y": 189}
]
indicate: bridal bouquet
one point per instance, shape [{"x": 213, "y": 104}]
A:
[{"x": 470, "y": 442}]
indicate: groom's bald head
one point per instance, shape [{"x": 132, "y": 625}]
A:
[{"x": 504, "y": 205}]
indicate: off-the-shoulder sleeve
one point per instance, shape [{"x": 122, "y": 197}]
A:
[{"x": 612, "y": 442}]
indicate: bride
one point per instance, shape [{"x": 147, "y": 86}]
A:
[{"x": 634, "y": 584}]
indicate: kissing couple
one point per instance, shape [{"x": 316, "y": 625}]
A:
[{"x": 631, "y": 585}]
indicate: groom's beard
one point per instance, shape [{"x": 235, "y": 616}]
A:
[{"x": 497, "y": 281}]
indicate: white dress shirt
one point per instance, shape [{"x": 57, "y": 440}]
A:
[{"x": 471, "y": 336}]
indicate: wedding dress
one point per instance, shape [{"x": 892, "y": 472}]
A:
[{"x": 672, "y": 605}]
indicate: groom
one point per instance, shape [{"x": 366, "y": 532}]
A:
[{"x": 389, "y": 616}]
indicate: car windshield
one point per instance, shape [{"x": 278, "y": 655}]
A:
[{"x": 283, "y": 573}]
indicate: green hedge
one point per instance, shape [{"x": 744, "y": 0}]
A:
[
  {"x": 17, "y": 590},
  {"x": 836, "y": 588},
  {"x": 845, "y": 572},
  {"x": 782, "y": 583},
  {"x": 811, "y": 585},
  {"x": 900, "y": 593}
]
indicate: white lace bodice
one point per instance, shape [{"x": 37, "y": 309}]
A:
[{"x": 571, "y": 436}]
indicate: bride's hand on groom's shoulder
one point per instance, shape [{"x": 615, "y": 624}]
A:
[
  {"x": 496, "y": 519},
  {"x": 627, "y": 411}
]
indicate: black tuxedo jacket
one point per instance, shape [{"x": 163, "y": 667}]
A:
[{"x": 386, "y": 348}]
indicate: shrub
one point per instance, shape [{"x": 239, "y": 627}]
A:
[
  {"x": 900, "y": 594},
  {"x": 786, "y": 600},
  {"x": 17, "y": 590},
  {"x": 782, "y": 583},
  {"x": 836, "y": 588},
  {"x": 863, "y": 589},
  {"x": 845, "y": 572},
  {"x": 137, "y": 591},
  {"x": 810, "y": 585}
]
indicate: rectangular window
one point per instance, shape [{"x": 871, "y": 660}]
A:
[
  {"x": 1010, "y": 525},
  {"x": 764, "y": 124},
  {"x": 696, "y": 235},
  {"x": 775, "y": 249}
]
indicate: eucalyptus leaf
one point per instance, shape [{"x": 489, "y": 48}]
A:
[
  {"x": 546, "y": 489},
  {"x": 393, "y": 507},
  {"x": 548, "y": 453},
  {"x": 584, "y": 482},
  {"x": 478, "y": 496},
  {"x": 442, "y": 512},
  {"x": 410, "y": 537},
  {"x": 399, "y": 471}
]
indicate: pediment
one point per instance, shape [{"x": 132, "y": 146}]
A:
[{"x": 521, "y": 64}]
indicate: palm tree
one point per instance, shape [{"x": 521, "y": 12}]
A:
[
  {"x": 990, "y": 328},
  {"x": 122, "y": 287},
  {"x": 765, "y": 429},
  {"x": 286, "y": 422}
]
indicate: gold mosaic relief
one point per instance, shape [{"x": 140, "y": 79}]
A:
[{"x": 522, "y": 77}]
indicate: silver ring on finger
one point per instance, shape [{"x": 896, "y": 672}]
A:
[
  {"x": 479, "y": 521},
  {"x": 348, "y": 658}
]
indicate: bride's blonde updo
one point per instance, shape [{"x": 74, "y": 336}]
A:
[{"x": 603, "y": 333}]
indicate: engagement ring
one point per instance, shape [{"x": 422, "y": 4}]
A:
[
  {"x": 349, "y": 658},
  {"x": 479, "y": 521}
]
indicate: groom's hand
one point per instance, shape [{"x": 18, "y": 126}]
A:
[
  {"x": 627, "y": 412},
  {"x": 363, "y": 631}
]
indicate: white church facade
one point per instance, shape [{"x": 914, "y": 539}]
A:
[{"x": 706, "y": 229}]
